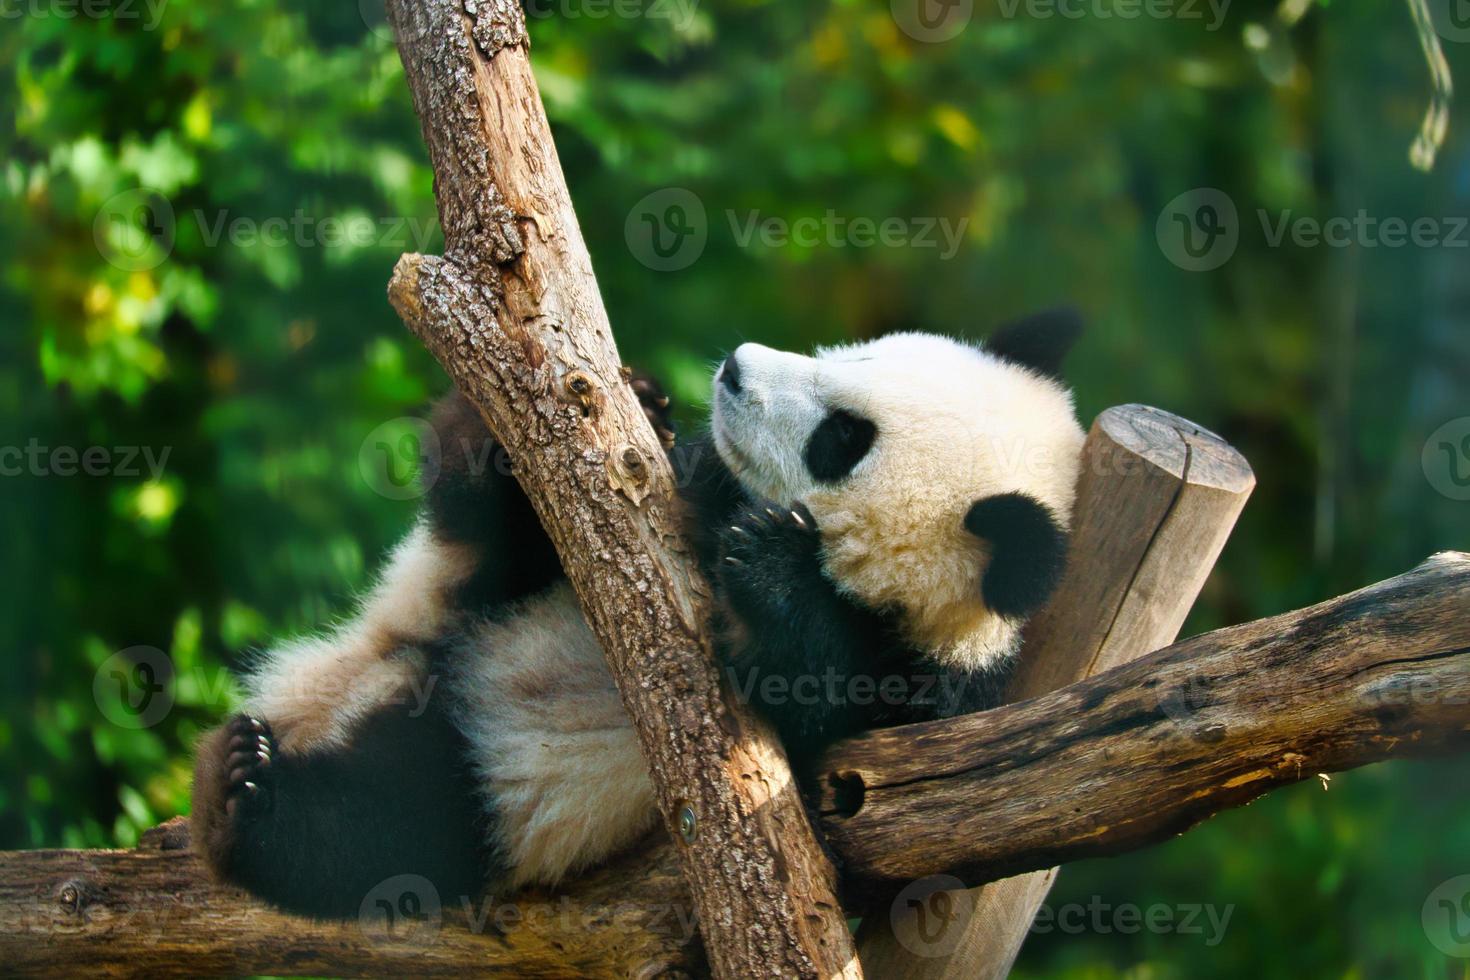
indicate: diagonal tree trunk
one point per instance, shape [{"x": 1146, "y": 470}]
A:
[{"x": 513, "y": 313}]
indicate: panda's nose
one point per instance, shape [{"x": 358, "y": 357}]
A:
[{"x": 730, "y": 375}]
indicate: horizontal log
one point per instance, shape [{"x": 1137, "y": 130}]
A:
[
  {"x": 1145, "y": 751},
  {"x": 153, "y": 912},
  {"x": 1116, "y": 762}
]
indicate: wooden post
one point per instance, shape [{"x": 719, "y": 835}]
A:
[
  {"x": 1157, "y": 498},
  {"x": 513, "y": 313}
]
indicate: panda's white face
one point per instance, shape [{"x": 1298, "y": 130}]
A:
[{"x": 890, "y": 443}]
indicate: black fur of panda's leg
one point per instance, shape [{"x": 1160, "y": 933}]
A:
[
  {"x": 316, "y": 833},
  {"x": 806, "y": 657},
  {"x": 474, "y": 498}
]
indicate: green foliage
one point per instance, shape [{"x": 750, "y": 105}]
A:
[{"x": 242, "y": 343}]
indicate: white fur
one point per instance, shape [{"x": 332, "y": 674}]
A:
[
  {"x": 313, "y": 691},
  {"x": 954, "y": 425},
  {"x": 557, "y": 757}
]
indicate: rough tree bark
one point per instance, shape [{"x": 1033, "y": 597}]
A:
[
  {"x": 1127, "y": 758},
  {"x": 513, "y": 312},
  {"x": 156, "y": 912}
]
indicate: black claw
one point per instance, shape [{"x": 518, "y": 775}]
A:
[{"x": 247, "y": 765}]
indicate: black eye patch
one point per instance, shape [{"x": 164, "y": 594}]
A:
[{"x": 838, "y": 444}]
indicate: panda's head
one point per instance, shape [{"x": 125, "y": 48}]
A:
[{"x": 941, "y": 474}]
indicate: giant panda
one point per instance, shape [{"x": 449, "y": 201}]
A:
[{"x": 877, "y": 519}]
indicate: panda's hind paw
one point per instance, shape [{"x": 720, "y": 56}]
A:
[
  {"x": 248, "y": 767},
  {"x": 655, "y": 404}
]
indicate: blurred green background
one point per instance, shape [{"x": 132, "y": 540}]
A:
[{"x": 142, "y": 146}]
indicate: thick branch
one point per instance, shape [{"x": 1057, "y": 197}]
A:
[
  {"x": 153, "y": 912},
  {"x": 1120, "y": 761},
  {"x": 513, "y": 313},
  {"x": 1146, "y": 751}
]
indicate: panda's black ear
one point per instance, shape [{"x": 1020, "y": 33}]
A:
[
  {"x": 1028, "y": 550},
  {"x": 1040, "y": 341}
]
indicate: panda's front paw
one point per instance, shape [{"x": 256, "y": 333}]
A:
[
  {"x": 770, "y": 548},
  {"x": 247, "y": 768}
]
